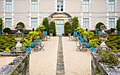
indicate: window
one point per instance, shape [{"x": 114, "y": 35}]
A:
[
  {"x": 8, "y": 22},
  {"x": 86, "y": 23},
  {"x": 34, "y": 5},
  {"x": 111, "y": 5},
  {"x": 34, "y": 22},
  {"x": 60, "y": 5},
  {"x": 111, "y": 23},
  {"x": 8, "y": 5},
  {"x": 86, "y": 5}
]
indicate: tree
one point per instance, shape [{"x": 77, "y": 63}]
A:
[
  {"x": 1, "y": 25},
  {"x": 118, "y": 24},
  {"x": 75, "y": 23},
  {"x": 52, "y": 27},
  {"x": 46, "y": 24}
]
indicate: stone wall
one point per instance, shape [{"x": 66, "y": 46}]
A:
[{"x": 20, "y": 65}]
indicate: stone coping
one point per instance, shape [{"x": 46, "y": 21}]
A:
[
  {"x": 105, "y": 70},
  {"x": 12, "y": 66}
]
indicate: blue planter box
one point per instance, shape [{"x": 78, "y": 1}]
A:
[
  {"x": 93, "y": 49},
  {"x": 118, "y": 32},
  {"x": 87, "y": 44},
  {"x": 32, "y": 45},
  {"x": 75, "y": 33},
  {"x": 0, "y": 31},
  {"x": 28, "y": 49},
  {"x": 98, "y": 31},
  {"x": 82, "y": 40},
  {"x": 45, "y": 33},
  {"x": 80, "y": 37}
]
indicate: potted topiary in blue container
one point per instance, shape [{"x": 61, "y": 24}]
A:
[
  {"x": 94, "y": 44},
  {"x": 118, "y": 26}
]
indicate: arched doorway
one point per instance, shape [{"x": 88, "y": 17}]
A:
[{"x": 60, "y": 19}]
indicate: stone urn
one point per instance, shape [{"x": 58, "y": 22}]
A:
[
  {"x": 103, "y": 38},
  {"x": 18, "y": 37}
]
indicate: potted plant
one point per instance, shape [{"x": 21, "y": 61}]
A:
[
  {"x": 1, "y": 25},
  {"x": 46, "y": 24},
  {"x": 69, "y": 31},
  {"x": 51, "y": 32},
  {"x": 94, "y": 44},
  {"x": 26, "y": 42},
  {"x": 112, "y": 30},
  {"x": 118, "y": 26},
  {"x": 75, "y": 23},
  {"x": 80, "y": 30},
  {"x": 52, "y": 26},
  {"x": 41, "y": 28}
]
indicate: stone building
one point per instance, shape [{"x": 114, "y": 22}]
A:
[{"x": 32, "y": 12}]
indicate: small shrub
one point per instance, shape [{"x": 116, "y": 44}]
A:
[
  {"x": 52, "y": 27},
  {"x": 51, "y": 31},
  {"x": 108, "y": 57},
  {"x": 67, "y": 28},
  {"x": 75, "y": 23},
  {"x": 6, "y": 30},
  {"x": 41, "y": 28},
  {"x": 118, "y": 24},
  {"x": 1, "y": 23},
  {"x": 100, "y": 26},
  {"x": 46, "y": 24}
]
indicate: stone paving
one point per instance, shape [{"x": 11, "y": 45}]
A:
[{"x": 60, "y": 58}]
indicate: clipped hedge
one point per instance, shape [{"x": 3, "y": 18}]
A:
[{"x": 7, "y": 42}]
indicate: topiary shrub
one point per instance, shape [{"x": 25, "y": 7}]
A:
[
  {"x": 52, "y": 27},
  {"x": 67, "y": 28},
  {"x": 80, "y": 30},
  {"x": 112, "y": 30},
  {"x": 7, "y": 42},
  {"x": 7, "y": 30},
  {"x": 41, "y": 28},
  {"x": 118, "y": 26},
  {"x": 46, "y": 24},
  {"x": 20, "y": 26},
  {"x": 75, "y": 23},
  {"x": 1, "y": 25},
  {"x": 100, "y": 26}
]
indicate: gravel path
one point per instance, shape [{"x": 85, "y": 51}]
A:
[
  {"x": 76, "y": 62},
  {"x": 46, "y": 62},
  {"x": 5, "y": 60}
]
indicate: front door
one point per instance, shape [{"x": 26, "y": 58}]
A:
[{"x": 59, "y": 27}]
